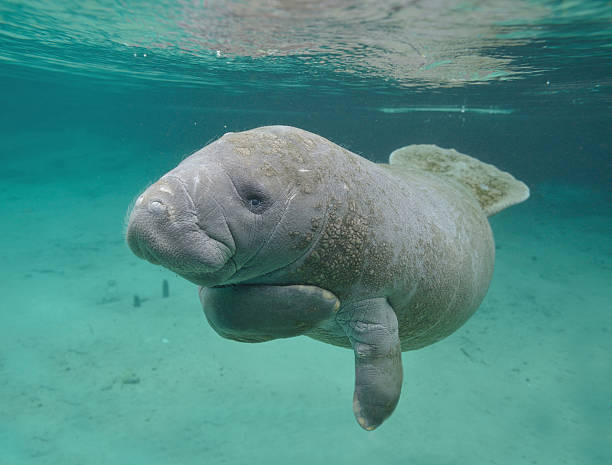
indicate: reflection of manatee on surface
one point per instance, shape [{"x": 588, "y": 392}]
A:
[{"x": 287, "y": 233}]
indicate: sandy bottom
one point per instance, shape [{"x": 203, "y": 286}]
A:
[{"x": 88, "y": 378}]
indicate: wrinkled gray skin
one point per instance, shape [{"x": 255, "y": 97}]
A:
[{"x": 289, "y": 234}]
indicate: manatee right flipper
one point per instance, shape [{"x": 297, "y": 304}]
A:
[
  {"x": 258, "y": 313},
  {"x": 371, "y": 326}
]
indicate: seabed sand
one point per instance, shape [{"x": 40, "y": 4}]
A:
[{"x": 88, "y": 378}]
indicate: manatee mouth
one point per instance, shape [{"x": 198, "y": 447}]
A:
[
  {"x": 184, "y": 262},
  {"x": 143, "y": 252},
  {"x": 241, "y": 285},
  {"x": 164, "y": 229},
  {"x": 194, "y": 255}
]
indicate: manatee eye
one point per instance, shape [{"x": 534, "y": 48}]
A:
[
  {"x": 253, "y": 194},
  {"x": 256, "y": 203}
]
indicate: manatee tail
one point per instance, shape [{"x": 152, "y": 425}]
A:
[{"x": 494, "y": 189}]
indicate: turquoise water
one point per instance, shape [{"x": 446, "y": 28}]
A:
[{"x": 99, "y": 99}]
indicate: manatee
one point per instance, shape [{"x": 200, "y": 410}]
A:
[{"x": 288, "y": 234}]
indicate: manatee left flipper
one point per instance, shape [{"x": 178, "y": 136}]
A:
[
  {"x": 371, "y": 326},
  {"x": 258, "y": 313}
]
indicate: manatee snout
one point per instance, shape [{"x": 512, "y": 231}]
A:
[
  {"x": 149, "y": 216},
  {"x": 164, "y": 229}
]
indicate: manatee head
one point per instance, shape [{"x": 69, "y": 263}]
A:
[{"x": 242, "y": 207}]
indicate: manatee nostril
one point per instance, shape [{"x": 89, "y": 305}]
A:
[{"x": 157, "y": 207}]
